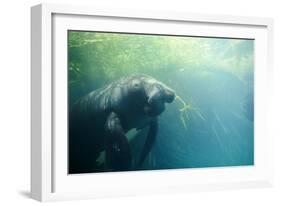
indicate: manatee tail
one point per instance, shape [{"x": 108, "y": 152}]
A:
[{"x": 150, "y": 139}]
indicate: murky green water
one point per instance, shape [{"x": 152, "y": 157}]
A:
[{"x": 212, "y": 123}]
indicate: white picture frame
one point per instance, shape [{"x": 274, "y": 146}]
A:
[{"x": 49, "y": 179}]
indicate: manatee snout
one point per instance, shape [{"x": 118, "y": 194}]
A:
[{"x": 157, "y": 97}]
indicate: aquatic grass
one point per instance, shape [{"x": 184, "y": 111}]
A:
[{"x": 184, "y": 112}]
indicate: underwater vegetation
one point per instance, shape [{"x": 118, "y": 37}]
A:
[{"x": 211, "y": 121}]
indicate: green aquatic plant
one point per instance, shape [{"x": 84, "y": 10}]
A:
[{"x": 184, "y": 112}]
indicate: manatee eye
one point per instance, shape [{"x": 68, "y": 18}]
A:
[{"x": 136, "y": 84}]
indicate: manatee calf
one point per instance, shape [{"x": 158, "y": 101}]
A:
[{"x": 100, "y": 120}]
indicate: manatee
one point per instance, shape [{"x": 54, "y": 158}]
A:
[{"x": 100, "y": 120}]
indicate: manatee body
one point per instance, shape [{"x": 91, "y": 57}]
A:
[{"x": 100, "y": 120}]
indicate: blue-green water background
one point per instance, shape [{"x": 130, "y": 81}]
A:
[{"x": 214, "y": 76}]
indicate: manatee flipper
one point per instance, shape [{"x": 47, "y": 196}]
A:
[
  {"x": 150, "y": 139},
  {"x": 118, "y": 154}
]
